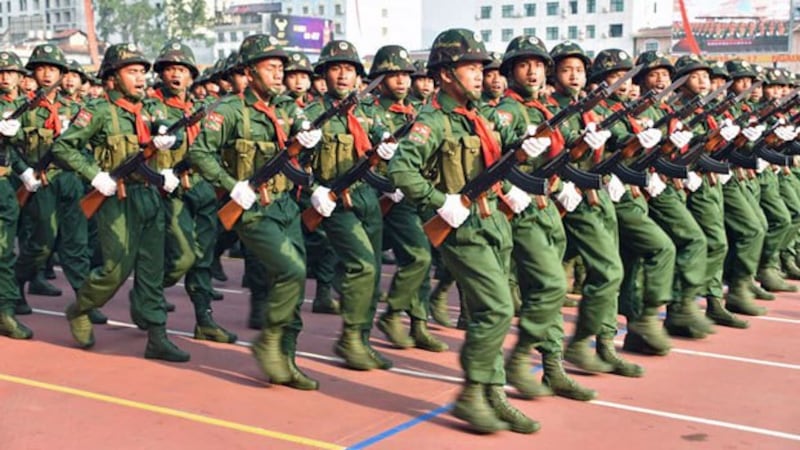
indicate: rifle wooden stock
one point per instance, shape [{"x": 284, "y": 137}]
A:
[
  {"x": 579, "y": 150},
  {"x": 263, "y": 195},
  {"x": 186, "y": 182},
  {"x": 591, "y": 197},
  {"x": 311, "y": 218},
  {"x": 437, "y": 229},
  {"x": 386, "y": 205},
  {"x": 22, "y": 196},
  {"x": 91, "y": 202},
  {"x": 229, "y": 214}
]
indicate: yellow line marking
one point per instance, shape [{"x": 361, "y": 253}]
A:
[{"x": 173, "y": 412}]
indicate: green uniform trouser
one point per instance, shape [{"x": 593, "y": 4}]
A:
[
  {"x": 402, "y": 232},
  {"x": 321, "y": 259},
  {"x": 51, "y": 211},
  {"x": 356, "y": 237},
  {"x": 669, "y": 211},
  {"x": 744, "y": 231},
  {"x": 131, "y": 238},
  {"x": 707, "y": 208},
  {"x": 9, "y": 211},
  {"x": 539, "y": 246},
  {"x": 593, "y": 233},
  {"x": 272, "y": 233},
  {"x": 478, "y": 254},
  {"x": 643, "y": 241},
  {"x": 790, "y": 193},
  {"x": 779, "y": 221}
]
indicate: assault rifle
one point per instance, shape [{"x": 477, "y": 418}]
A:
[
  {"x": 92, "y": 201},
  {"x": 282, "y": 161}
]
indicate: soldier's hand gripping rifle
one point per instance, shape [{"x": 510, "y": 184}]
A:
[
  {"x": 282, "y": 161},
  {"x": 437, "y": 229},
  {"x": 137, "y": 163},
  {"x": 40, "y": 167},
  {"x": 339, "y": 188}
]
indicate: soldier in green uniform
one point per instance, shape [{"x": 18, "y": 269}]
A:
[
  {"x": 643, "y": 243},
  {"x": 494, "y": 82},
  {"x": 115, "y": 130},
  {"x": 11, "y": 72},
  {"x": 53, "y": 210},
  {"x": 422, "y": 85},
  {"x": 402, "y": 224},
  {"x": 297, "y": 78},
  {"x": 538, "y": 236},
  {"x": 450, "y": 144},
  {"x": 234, "y": 73},
  {"x": 191, "y": 211},
  {"x": 236, "y": 139},
  {"x": 355, "y": 232}
]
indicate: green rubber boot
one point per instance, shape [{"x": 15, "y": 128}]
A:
[
  {"x": 380, "y": 361},
  {"x": 323, "y": 300},
  {"x": 351, "y": 348},
  {"x": 472, "y": 407},
  {"x": 423, "y": 339},
  {"x": 556, "y": 379},
  {"x": 440, "y": 312},
  {"x": 721, "y": 316},
  {"x": 207, "y": 329},
  {"x": 268, "y": 351},
  {"x": 772, "y": 281},
  {"x": 505, "y": 411},
  {"x": 760, "y": 293},
  {"x": 40, "y": 286},
  {"x": 13, "y": 328},
  {"x": 519, "y": 372},
  {"x": 391, "y": 324},
  {"x": 646, "y": 334},
  {"x": 740, "y": 300},
  {"x": 790, "y": 267},
  {"x": 608, "y": 353},
  {"x": 581, "y": 354},
  {"x": 685, "y": 319},
  {"x": 299, "y": 380},
  {"x": 160, "y": 347},
  {"x": 80, "y": 326}
]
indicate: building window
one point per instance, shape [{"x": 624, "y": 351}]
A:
[
  {"x": 289, "y": 10},
  {"x": 590, "y": 54},
  {"x": 338, "y": 9},
  {"x": 530, "y": 9},
  {"x": 573, "y": 7},
  {"x": 58, "y": 17},
  {"x": 572, "y": 32},
  {"x": 337, "y": 28},
  {"x": 321, "y": 9},
  {"x": 220, "y": 53},
  {"x": 486, "y": 35},
  {"x": 36, "y": 5},
  {"x": 47, "y": 18},
  {"x": 1, "y": 22},
  {"x": 220, "y": 37},
  {"x": 552, "y": 8},
  {"x": 651, "y": 46},
  {"x": 615, "y": 30},
  {"x": 384, "y": 31},
  {"x": 305, "y": 10},
  {"x": 616, "y": 5},
  {"x": 67, "y": 16},
  {"x": 551, "y": 33},
  {"x": 529, "y": 31},
  {"x": 507, "y": 34},
  {"x": 234, "y": 36},
  {"x": 486, "y": 12},
  {"x": 590, "y": 33},
  {"x": 591, "y": 6},
  {"x": 384, "y": 12},
  {"x": 507, "y": 11},
  {"x": 23, "y": 5}
]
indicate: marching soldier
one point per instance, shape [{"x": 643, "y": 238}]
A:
[
  {"x": 236, "y": 139},
  {"x": 494, "y": 82},
  {"x": 297, "y": 78},
  {"x": 422, "y": 85},
  {"x": 450, "y": 144},
  {"x": 115, "y": 130}
]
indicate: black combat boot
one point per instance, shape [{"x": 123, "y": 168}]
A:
[{"x": 160, "y": 347}]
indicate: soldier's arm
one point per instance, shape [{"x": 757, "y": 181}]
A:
[
  {"x": 68, "y": 148},
  {"x": 217, "y": 127},
  {"x": 413, "y": 156}
]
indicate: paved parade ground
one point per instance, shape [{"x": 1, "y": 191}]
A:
[{"x": 737, "y": 389}]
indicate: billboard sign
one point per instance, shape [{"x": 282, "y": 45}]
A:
[
  {"x": 732, "y": 26},
  {"x": 304, "y": 34}
]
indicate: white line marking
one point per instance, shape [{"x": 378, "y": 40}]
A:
[
  {"x": 775, "y": 319},
  {"x": 685, "y": 418}
]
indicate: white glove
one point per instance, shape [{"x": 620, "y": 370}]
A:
[
  {"x": 786, "y": 133},
  {"x": 321, "y": 201},
  {"x": 655, "y": 185},
  {"x": 170, "y": 180},
  {"x": 309, "y": 138},
  {"x": 518, "y": 199},
  {"x": 164, "y": 141},
  {"x": 534, "y": 146},
  {"x": 729, "y": 132},
  {"x": 243, "y": 194},
  {"x": 32, "y": 184},
  {"x": 105, "y": 184},
  {"x": 64, "y": 125},
  {"x": 725, "y": 177},
  {"x": 9, "y": 127},
  {"x": 453, "y": 211},
  {"x": 397, "y": 196},
  {"x": 694, "y": 182},
  {"x": 649, "y": 138},
  {"x": 569, "y": 196},
  {"x": 752, "y": 133},
  {"x": 386, "y": 150},
  {"x": 761, "y": 165},
  {"x": 680, "y": 138},
  {"x": 615, "y": 188},
  {"x": 595, "y": 139}
]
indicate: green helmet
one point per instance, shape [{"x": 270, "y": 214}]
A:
[
  {"x": 567, "y": 49},
  {"x": 233, "y": 64},
  {"x": 10, "y": 62},
  {"x": 47, "y": 54},
  {"x": 690, "y": 63},
  {"x": 456, "y": 45},
  {"x": 298, "y": 62},
  {"x": 496, "y": 61},
  {"x": 256, "y": 47},
  {"x": 339, "y": 51},
  {"x": 773, "y": 76},
  {"x": 391, "y": 58},
  {"x": 118, "y": 56},
  {"x": 740, "y": 69},
  {"x": 176, "y": 53},
  {"x": 759, "y": 71},
  {"x": 718, "y": 69},
  {"x": 420, "y": 69},
  {"x": 524, "y": 46},
  {"x": 217, "y": 71},
  {"x": 74, "y": 66},
  {"x": 652, "y": 60},
  {"x": 607, "y": 61}
]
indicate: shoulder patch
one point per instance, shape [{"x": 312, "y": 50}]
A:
[
  {"x": 419, "y": 133},
  {"x": 505, "y": 117},
  {"x": 82, "y": 119},
  {"x": 214, "y": 121}
]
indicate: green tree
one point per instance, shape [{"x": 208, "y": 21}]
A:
[{"x": 187, "y": 20}]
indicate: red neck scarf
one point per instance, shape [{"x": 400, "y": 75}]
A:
[
  {"x": 142, "y": 130},
  {"x": 360, "y": 138},
  {"x": 185, "y": 106},
  {"x": 269, "y": 111},
  {"x": 556, "y": 138},
  {"x": 490, "y": 149},
  {"x": 402, "y": 109},
  {"x": 635, "y": 126},
  {"x": 53, "y": 122}
]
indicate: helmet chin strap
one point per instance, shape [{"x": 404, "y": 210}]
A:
[
  {"x": 467, "y": 93},
  {"x": 124, "y": 90},
  {"x": 526, "y": 91}
]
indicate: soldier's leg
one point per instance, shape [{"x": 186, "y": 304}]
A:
[
  {"x": 322, "y": 262},
  {"x": 790, "y": 193},
  {"x": 779, "y": 225},
  {"x": 40, "y": 212},
  {"x": 9, "y": 290},
  {"x": 438, "y": 298}
]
